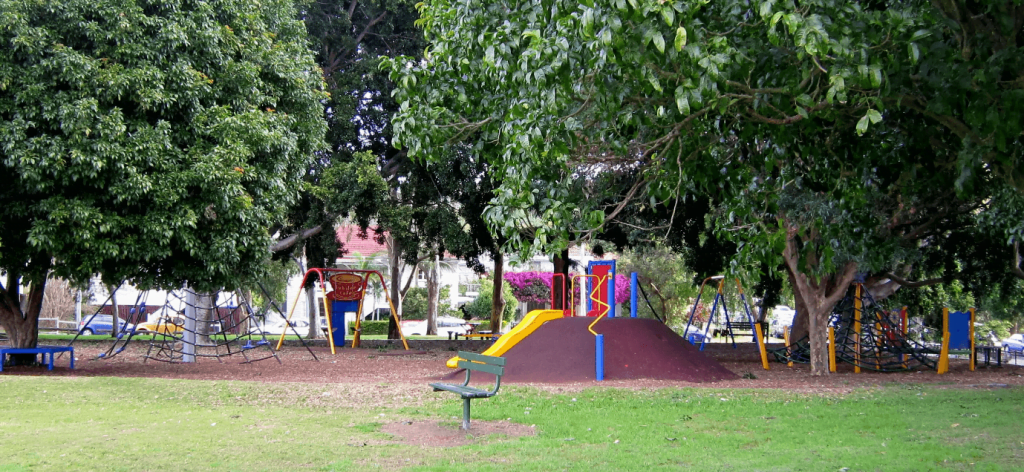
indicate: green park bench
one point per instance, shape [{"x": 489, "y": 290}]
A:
[{"x": 471, "y": 361}]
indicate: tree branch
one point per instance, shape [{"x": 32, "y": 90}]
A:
[
  {"x": 1016, "y": 270},
  {"x": 296, "y": 238},
  {"x": 919, "y": 283},
  {"x": 366, "y": 29}
]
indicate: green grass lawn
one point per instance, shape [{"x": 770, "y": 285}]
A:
[{"x": 157, "y": 424}]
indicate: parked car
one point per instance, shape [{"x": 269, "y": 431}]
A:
[
  {"x": 414, "y": 327},
  {"x": 695, "y": 336},
  {"x": 163, "y": 322},
  {"x": 445, "y": 326},
  {"x": 782, "y": 317},
  {"x": 1014, "y": 343},
  {"x": 278, "y": 327},
  {"x": 102, "y": 324}
]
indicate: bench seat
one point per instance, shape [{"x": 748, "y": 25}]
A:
[
  {"x": 471, "y": 361},
  {"x": 466, "y": 392}
]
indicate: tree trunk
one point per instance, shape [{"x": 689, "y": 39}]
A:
[
  {"x": 204, "y": 317},
  {"x": 21, "y": 320},
  {"x": 433, "y": 293},
  {"x": 245, "y": 296},
  {"x": 800, "y": 324},
  {"x": 561, "y": 263},
  {"x": 116, "y": 318},
  {"x": 819, "y": 295},
  {"x": 313, "y": 310},
  {"x": 497, "y": 301}
]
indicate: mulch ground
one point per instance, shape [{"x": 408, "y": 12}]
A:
[{"x": 559, "y": 357}]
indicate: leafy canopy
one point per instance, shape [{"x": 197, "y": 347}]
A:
[
  {"x": 151, "y": 140},
  {"x": 847, "y": 122}
]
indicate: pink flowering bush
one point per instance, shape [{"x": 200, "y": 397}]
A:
[
  {"x": 536, "y": 286},
  {"x": 530, "y": 286}
]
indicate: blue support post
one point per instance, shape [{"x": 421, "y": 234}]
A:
[
  {"x": 611, "y": 292},
  {"x": 714, "y": 311},
  {"x": 632, "y": 295},
  {"x": 599, "y": 356}
]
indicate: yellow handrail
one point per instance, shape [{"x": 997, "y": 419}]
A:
[{"x": 600, "y": 280}]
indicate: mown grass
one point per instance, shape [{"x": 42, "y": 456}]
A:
[{"x": 157, "y": 424}]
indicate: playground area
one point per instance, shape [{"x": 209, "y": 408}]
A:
[
  {"x": 580, "y": 346},
  {"x": 369, "y": 369}
]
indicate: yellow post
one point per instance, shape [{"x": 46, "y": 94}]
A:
[
  {"x": 394, "y": 313},
  {"x": 831, "y": 349},
  {"x": 287, "y": 320},
  {"x": 973, "y": 353},
  {"x": 903, "y": 327},
  {"x": 327, "y": 317},
  {"x": 789, "y": 349},
  {"x": 943, "y": 365},
  {"x": 878, "y": 345},
  {"x": 760, "y": 344},
  {"x": 857, "y": 304},
  {"x": 357, "y": 329}
]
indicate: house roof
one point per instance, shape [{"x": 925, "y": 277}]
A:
[{"x": 355, "y": 244}]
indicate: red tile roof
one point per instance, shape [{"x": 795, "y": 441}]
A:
[{"x": 354, "y": 244}]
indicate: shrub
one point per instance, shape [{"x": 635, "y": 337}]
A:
[
  {"x": 414, "y": 305},
  {"x": 481, "y": 306},
  {"x": 372, "y": 327}
]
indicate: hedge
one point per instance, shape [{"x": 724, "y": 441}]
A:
[{"x": 372, "y": 327}]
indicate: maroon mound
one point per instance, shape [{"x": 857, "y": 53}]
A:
[{"x": 563, "y": 351}]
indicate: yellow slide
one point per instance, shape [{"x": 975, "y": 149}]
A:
[{"x": 530, "y": 323}]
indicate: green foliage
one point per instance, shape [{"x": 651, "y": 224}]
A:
[
  {"x": 1001, "y": 329},
  {"x": 850, "y": 134},
  {"x": 481, "y": 308},
  {"x": 275, "y": 282},
  {"x": 444, "y": 307},
  {"x": 156, "y": 141},
  {"x": 928, "y": 302},
  {"x": 414, "y": 305},
  {"x": 778, "y": 111},
  {"x": 374, "y": 327},
  {"x": 665, "y": 278}
]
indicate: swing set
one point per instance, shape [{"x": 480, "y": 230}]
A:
[
  {"x": 348, "y": 289},
  {"x": 756, "y": 328}
]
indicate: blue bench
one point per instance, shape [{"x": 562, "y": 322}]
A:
[{"x": 43, "y": 350}]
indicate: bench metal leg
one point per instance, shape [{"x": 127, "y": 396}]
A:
[{"x": 465, "y": 414}]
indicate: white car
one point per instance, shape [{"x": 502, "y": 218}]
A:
[
  {"x": 782, "y": 317},
  {"x": 445, "y": 326},
  {"x": 301, "y": 326}
]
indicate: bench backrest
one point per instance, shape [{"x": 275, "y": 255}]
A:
[
  {"x": 482, "y": 363},
  {"x": 472, "y": 361},
  {"x": 747, "y": 325}
]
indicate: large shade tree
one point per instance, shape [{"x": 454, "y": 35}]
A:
[
  {"x": 154, "y": 141},
  {"x": 833, "y": 137}
]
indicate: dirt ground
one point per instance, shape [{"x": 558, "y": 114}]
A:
[
  {"x": 355, "y": 372},
  {"x": 416, "y": 368}
]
